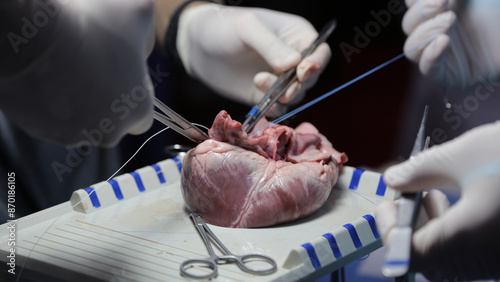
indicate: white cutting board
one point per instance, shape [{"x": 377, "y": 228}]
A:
[{"x": 144, "y": 236}]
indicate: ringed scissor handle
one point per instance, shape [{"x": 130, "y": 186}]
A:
[{"x": 189, "y": 267}]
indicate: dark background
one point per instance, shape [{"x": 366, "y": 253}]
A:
[{"x": 362, "y": 120}]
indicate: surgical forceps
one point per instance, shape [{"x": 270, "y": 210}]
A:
[
  {"x": 397, "y": 260},
  {"x": 178, "y": 123},
  {"x": 190, "y": 268},
  {"x": 283, "y": 82}
]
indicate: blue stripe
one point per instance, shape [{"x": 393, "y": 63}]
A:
[
  {"x": 116, "y": 189},
  {"x": 254, "y": 111},
  {"x": 373, "y": 226},
  {"x": 93, "y": 196},
  {"x": 312, "y": 255},
  {"x": 381, "y": 187},
  {"x": 355, "y": 179},
  {"x": 138, "y": 181},
  {"x": 159, "y": 173},
  {"x": 354, "y": 235},
  {"x": 178, "y": 163},
  {"x": 333, "y": 245},
  {"x": 397, "y": 262}
]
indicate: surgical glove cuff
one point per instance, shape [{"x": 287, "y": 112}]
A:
[{"x": 172, "y": 33}]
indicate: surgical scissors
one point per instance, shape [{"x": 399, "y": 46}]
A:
[
  {"x": 178, "y": 123},
  {"x": 189, "y": 268},
  {"x": 283, "y": 82}
]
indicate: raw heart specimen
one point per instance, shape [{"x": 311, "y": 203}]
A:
[{"x": 272, "y": 175}]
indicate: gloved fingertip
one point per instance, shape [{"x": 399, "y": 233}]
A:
[
  {"x": 305, "y": 70},
  {"x": 441, "y": 42},
  {"x": 285, "y": 62},
  {"x": 290, "y": 93},
  {"x": 260, "y": 78},
  {"x": 440, "y": 5},
  {"x": 438, "y": 44},
  {"x": 394, "y": 176},
  {"x": 314, "y": 64},
  {"x": 436, "y": 203},
  {"x": 430, "y": 56},
  {"x": 143, "y": 126},
  {"x": 264, "y": 81},
  {"x": 430, "y": 7},
  {"x": 446, "y": 19}
]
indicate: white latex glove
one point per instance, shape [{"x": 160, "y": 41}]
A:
[
  {"x": 75, "y": 71},
  {"x": 465, "y": 40},
  {"x": 237, "y": 51},
  {"x": 461, "y": 241}
]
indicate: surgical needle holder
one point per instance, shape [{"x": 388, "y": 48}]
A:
[
  {"x": 196, "y": 268},
  {"x": 397, "y": 260},
  {"x": 284, "y": 81},
  {"x": 178, "y": 123}
]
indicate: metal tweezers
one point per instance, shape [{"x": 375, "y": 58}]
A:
[
  {"x": 397, "y": 260},
  {"x": 178, "y": 123},
  {"x": 283, "y": 82}
]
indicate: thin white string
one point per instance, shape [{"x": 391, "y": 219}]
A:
[
  {"x": 147, "y": 140},
  {"x": 56, "y": 219}
]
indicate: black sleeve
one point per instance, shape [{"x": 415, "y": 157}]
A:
[{"x": 171, "y": 36}]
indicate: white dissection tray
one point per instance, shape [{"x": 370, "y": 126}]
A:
[{"x": 135, "y": 228}]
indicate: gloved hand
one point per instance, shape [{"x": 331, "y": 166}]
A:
[
  {"x": 464, "y": 40},
  {"x": 462, "y": 240},
  {"x": 76, "y": 70},
  {"x": 237, "y": 51}
]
